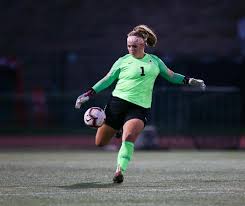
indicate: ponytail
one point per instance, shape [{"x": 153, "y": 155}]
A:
[{"x": 146, "y": 33}]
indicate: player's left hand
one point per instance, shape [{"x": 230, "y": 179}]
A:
[{"x": 197, "y": 83}]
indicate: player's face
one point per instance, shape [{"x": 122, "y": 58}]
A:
[{"x": 136, "y": 46}]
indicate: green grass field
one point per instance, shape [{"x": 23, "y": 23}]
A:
[{"x": 153, "y": 178}]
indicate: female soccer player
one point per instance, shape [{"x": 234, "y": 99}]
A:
[{"x": 129, "y": 105}]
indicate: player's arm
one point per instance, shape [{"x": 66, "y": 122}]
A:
[
  {"x": 104, "y": 83},
  {"x": 176, "y": 78},
  {"x": 111, "y": 76}
]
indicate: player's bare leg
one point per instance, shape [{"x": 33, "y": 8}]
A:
[
  {"x": 131, "y": 131},
  {"x": 104, "y": 135}
]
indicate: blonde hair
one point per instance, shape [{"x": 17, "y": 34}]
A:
[{"x": 146, "y": 33}]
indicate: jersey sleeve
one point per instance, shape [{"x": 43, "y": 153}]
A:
[
  {"x": 169, "y": 75},
  {"x": 110, "y": 77}
]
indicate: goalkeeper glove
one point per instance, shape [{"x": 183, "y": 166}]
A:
[
  {"x": 197, "y": 83},
  {"x": 194, "y": 82},
  {"x": 84, "y": 98}
]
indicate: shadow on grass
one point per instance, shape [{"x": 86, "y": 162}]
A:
[{"x": 87, "y": 185}]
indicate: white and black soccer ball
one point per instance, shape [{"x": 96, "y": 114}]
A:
[{"x": 94, "y": 117}]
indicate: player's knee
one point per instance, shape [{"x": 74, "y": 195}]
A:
[
  {"x": 99, "y": 143},
  {"x": 129, "y": 137}
]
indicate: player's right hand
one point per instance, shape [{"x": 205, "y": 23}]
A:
[
  {"x": 84, "y": 98},
  {"x": 80, "y": 100}
]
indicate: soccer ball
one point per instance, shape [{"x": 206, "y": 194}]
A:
[{"x": 94, "y": 117}]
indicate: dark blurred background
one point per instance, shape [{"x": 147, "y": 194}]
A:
[{"x": 51, "y": 51}]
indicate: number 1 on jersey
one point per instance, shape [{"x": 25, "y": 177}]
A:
[{"x": 142, "y": 71}]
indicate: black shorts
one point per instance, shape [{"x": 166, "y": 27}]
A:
[{"x": 118, "y": 111}]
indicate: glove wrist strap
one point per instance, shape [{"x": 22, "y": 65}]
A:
[
  {"x": 90, "y": 92},
  {"x": 186, "y": 80}
]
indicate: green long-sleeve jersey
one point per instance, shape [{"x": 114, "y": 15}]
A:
[{"x": 136, "y": 78}]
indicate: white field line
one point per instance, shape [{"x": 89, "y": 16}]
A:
[{"x": 198, "y": 191}]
